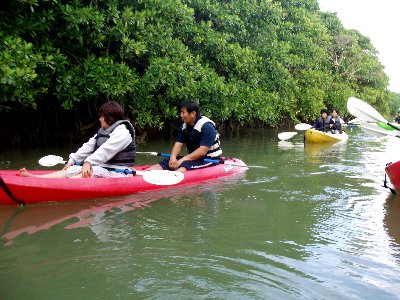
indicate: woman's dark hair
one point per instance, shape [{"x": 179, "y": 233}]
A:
[
  {"x": 190, "y": 106},
  {"x": 111, "y": 111},
  {"x": 337, "y": 111}
]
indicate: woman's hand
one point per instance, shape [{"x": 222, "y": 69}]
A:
[
  {"x": 87, "y": 170},
  {"x": 68, "y": 164}
]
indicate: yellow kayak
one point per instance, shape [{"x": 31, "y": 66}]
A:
[{"x": 316, "y": 136}]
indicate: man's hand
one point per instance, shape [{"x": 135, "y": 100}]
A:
[{"x": 174, "y": 163}]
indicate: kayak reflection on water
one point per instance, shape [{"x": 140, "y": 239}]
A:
[{"x": 15, "y": 221}]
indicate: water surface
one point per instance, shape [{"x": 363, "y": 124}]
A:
[{"x": 316, "y": 223}]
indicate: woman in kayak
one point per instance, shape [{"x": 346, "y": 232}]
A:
[
  {"x": 113, "y": 146},
  {"x": 201, "y": 139},
  {"x": 336, "y": 123}
]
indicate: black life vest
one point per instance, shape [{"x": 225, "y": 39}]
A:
[
  {"x": 127, "y": 156},
  {"x": 323, "y": 125}
]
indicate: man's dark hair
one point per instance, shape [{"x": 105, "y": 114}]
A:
[
  {"x": 190, "y": 106},
  {"x": 324, "y": 110},
  {"x": 111, "y": 111}
]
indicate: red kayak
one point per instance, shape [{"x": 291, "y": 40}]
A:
[
  {"x": 393, "y": 172},
  {"x": 18, "y": 190}
]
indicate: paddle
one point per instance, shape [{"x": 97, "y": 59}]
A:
[
  {"x": 385, "y": 126},
  {"x": 51, "y": 160},
  {"x": 302, "y": 127},
  {"x": 158, "y": 177},
  {"x": 283, "y": 136},
  {"x": 366, "y": 112},
  {"x": 215, "y": 161},
  {"x": 162, "y": 177},
  {"x": 356, "y": 121},
  {"x": 374, "y": 130}
]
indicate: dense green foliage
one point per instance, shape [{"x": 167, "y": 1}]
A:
[{"x": 251, "y": 62}]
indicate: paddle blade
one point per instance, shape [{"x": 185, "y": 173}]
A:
[
  {"x": 148, "y": 153},
  {"x": 283, "y": 136},
  {"x": 162, "y": 177},
  {"x": 375, "y": 130},
  {"x": 355, "y": 121},
  {"x": 302, "y": 127},
  {"x": 364, "y": 111},
  {"x": 51, "y": 160}
]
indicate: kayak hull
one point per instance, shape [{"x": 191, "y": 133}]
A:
[
  {"x": 316, "y": 136},
  {"x": 393, "y": 172},
  {"x": 30, "y": 190}
]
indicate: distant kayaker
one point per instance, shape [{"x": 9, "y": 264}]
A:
[
  {"x": 113, "y": 145},
  {"x": 397, "y": 120},
  {"x": 322, "y": 122},
  {"x": 201, "y": 138},
  {"x": 336, "y": 123}
]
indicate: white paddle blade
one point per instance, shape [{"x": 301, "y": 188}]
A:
[
  {"x": 283, "y": 136},
  {"x": 147, "y": 153},
  {"x": 364, "y": 111},
  {"x": 51, "y": 160},
  {"x": 162, "y": 177},
  {"x": 356, "y": 121},
  {"x": 302, "y": 127},
  {"x": 375, "y": 130}
]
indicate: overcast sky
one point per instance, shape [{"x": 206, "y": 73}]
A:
[{"x": 380, "y": 21}]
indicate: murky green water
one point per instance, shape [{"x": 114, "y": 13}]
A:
[{"x": 316, "y": 224}]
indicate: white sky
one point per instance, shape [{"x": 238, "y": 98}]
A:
[{"x": 378, "y": 20}]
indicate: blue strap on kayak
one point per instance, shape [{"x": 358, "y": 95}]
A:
[
  {"x": 216, "y": 161},
  {"x": 131, "y": 171},
  {"x": 125, "y": 171}
]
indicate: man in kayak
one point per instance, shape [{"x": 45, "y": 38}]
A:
[
  {"x": 112, "y": 147},
  {"x": 322, "y": 122},
  {"x": 201, "y": 139}
]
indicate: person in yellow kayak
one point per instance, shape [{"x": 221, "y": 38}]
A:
[
  {"x": 397, "y": 120},
  {"x": 111, "y": 147},
  {"x": 201, "y": 138},
  {"x": 336, "y": 123},
  {"x": 323, "y": 121}
]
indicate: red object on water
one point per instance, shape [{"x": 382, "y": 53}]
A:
[
  {"x": 30, "y": 190},
  {"x": 393, "y": 172}
]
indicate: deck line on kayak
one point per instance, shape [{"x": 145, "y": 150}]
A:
[{"x": 5, "y": 188}]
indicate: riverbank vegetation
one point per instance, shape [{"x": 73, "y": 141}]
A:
[{"x": 248, "y": 63}]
